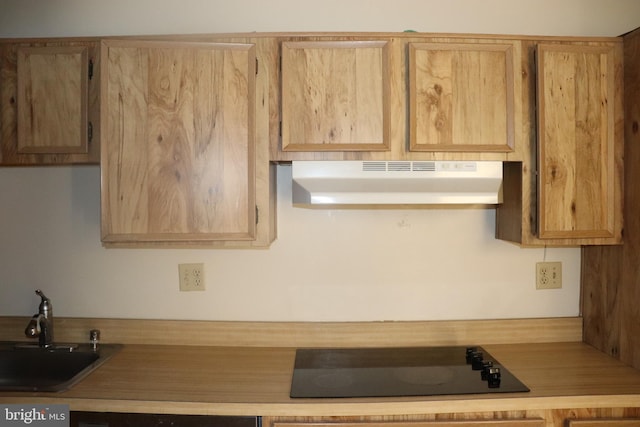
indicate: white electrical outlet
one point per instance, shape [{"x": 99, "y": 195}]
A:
[
  {"x": 191, "y": 277},
  {"x": 548, "y": 275}
]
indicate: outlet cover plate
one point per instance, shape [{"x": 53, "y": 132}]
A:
[
  {"x": 548, "y": 275},
  {"x": 191, "y": 277}
]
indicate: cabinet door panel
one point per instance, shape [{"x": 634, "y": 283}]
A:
[
  {"x": 335, "y": 96},
  {"x": 604, "y": 423},
  {"x": 49, "y": 102},
  {"x": 461, "y": 97},
  {"x": 178, "y": 158},
  {"x": 52, "y": 99},
  {"x": 466, "y": 423},
  {"x": 576, "y": 159}
]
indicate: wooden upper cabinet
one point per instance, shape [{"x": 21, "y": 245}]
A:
[
  {"x": 178, "y": 160},
  {"x": 335, "y": 96},
  {"x": 462, "y": 96},
  {"x": 579, "y": 142},
  {"x": 52, "y": 99},
  {"x": 49, "y": 112}
]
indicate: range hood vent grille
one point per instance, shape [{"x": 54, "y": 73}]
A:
[
  {"x": 397, "y": 166},
  {"x": 396, "y": 182},
  {"x": 374, "y": 166}
]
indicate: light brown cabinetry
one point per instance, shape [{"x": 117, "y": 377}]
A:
[
  {"x": 579, "y": 153},
  {"x": 179, "y": 154},
  {"x": 610, "y": 287},
  {"x": 459, "y": 423},
  {"x": 399, "y": 97},
  {"x": 52, "y": 99},
  {"x": 335, "y": 96},
  {"x": 604, "y": 423},
  {"x": 563, "y": 417},
  {"x": 462, "y": 96},
  {"x": 49, "y": 102},
  {"x": 568, "y": 190}
]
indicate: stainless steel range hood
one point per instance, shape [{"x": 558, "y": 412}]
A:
[{"x": 396, "y": 182}]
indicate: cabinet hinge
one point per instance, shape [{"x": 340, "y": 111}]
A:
[
  {"x": 90, "y": 69},
  {"x": 90, "y": 131},
  {"x": 257, "y": 214}
]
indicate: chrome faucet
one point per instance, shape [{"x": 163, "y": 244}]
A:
[{"x": 41, "y": 324}]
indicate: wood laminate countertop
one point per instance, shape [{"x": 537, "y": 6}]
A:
[{"x": 217, "y": 380}]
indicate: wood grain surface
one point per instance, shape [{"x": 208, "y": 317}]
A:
[
  {"x": 178, "y": 163},
  {"x": 52, "y": 99},
  {"x": 578, "y": 169},
  {"x": 611, "y": 276},
  {"x": 49, "y": 134},
  {"x": 256, "y": 381},
  {"x": 307, "y": 334},
  {"x": 517, "y": 217},
  {"x": 452, "y": 423},
  {"x": 462, "y": 96},
  {"x": 335, "y": 96}
]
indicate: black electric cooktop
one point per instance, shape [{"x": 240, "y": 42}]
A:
[{"x": 408, "y": 371}]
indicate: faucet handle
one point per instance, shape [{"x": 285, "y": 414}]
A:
[{"x": 33, "y": 328}]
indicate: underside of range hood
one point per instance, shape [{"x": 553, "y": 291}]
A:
[{"x": 397, "y": 183}]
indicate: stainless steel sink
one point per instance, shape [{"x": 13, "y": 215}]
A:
[{"x": 27, "y": 367}]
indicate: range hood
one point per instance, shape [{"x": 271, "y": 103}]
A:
[{"x": 396, "y": 182}]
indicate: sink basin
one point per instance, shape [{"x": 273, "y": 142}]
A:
[{"x": 26, "y": 367}]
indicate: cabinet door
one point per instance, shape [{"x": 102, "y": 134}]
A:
[
  {"x": 178, "y": 158},
  {"x": 49, "y": 112},
  {"x": 577, "y": 168},
  {"x": 462, "y": 97},
  {"x": 468, "y": 423},
  {"x": 335, "y": 96},
  {"x": 605, "y": 423},
  {"x": 52, "y": 99}
]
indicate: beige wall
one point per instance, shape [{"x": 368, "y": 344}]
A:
[
  {"x": 326, "y": 265},
  {"x": 543, "y": 17}
]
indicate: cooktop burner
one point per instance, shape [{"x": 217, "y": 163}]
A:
[{"x": 409, "y": 371}]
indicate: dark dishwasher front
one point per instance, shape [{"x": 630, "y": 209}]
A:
[{"x": 118, "y": 419}]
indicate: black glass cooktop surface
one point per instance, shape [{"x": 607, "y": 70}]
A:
[{"x": 408, "y": 371}]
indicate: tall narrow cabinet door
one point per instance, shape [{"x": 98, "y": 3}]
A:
[
  {"x": 579, "y": 171},
  {"x": 178, "y": 154},
  {"x": 462, "y": 96},
  {"x": 335, "y": 96},
  {"x": 52, "y": 99}
]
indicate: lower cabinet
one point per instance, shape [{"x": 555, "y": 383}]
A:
[
  {"x": 114, "y": 419},
  {"x": 552, "y": 418},
  {"x": 462, "y": 423},
  {"x": 576, "y": 417},
  {"x": 613, "y": 422}
]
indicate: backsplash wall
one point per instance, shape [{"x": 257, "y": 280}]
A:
[{"x": 334, "y": 265}]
